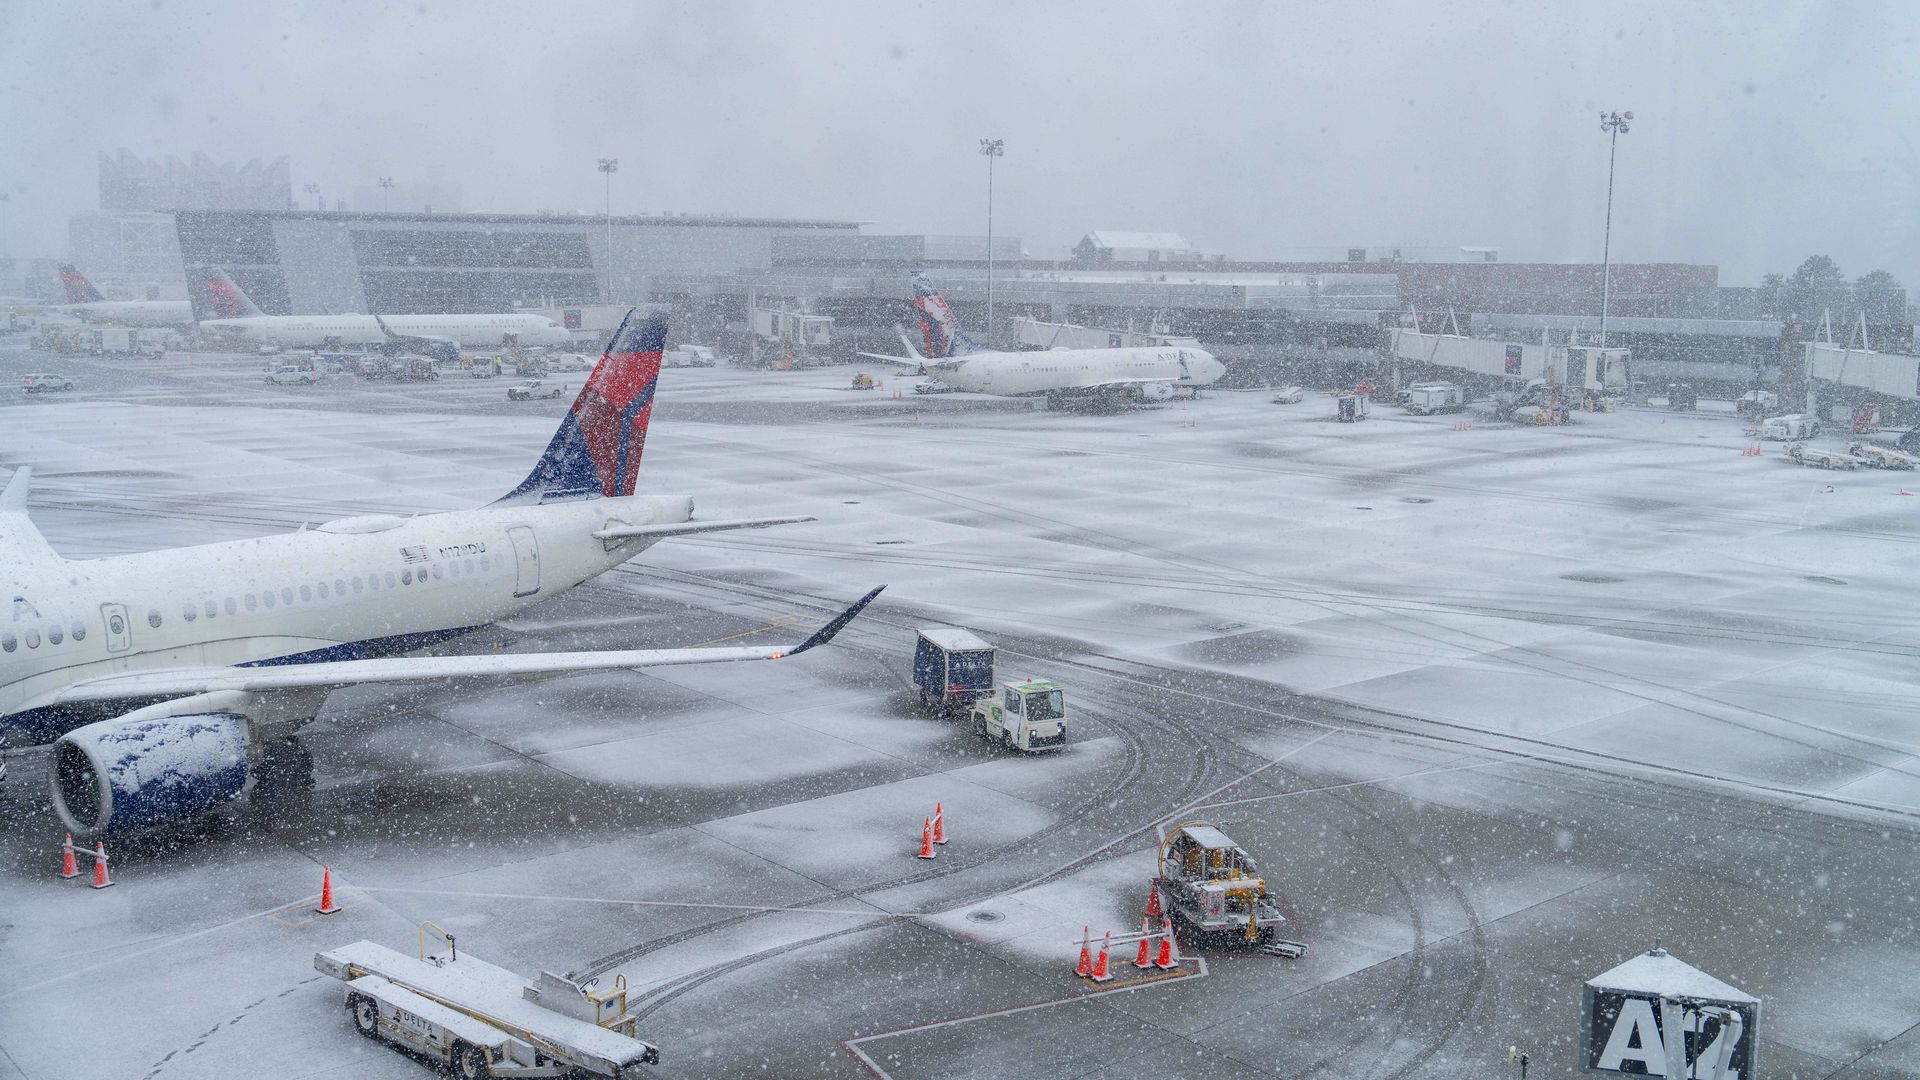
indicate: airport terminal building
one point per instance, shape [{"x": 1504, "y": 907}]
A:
[{"x": 300, "y": 262}]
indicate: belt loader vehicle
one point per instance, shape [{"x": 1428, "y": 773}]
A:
[
  {"x": 481, "y": 1020},
  {"x": 1212, "y": 888}
]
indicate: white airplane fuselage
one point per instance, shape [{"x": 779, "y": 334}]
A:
[
  {"x": 469, "y": 331},
  {"x": 132, "y": 312},
  {"x": 347, "y": 589},
  {"x": 1070, "y": 371}
]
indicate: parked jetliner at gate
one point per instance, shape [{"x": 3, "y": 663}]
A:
[
  {"x": 170, "y": 682},
  {"x": 227, "y": 310},
  {"x": 1109, "y": 377},
  {"x": 85, "y": 302}
]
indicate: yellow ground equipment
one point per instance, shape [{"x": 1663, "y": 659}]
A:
[{"x": 1213, "y": 888}]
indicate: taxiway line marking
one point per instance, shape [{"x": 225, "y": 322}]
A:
[
  {"x": 871, "y": 913},
  {"x": 852, "y": 1046}
]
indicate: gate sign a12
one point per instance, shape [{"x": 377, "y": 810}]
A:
[{"x": 1626, "y": 1012}]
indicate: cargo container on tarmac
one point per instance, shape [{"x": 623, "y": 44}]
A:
[{"x": 951, "y": 667}]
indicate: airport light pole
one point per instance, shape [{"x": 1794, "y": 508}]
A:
[
  {"x": 1615, "y": 125},
  {"x": 609, "y": 166},
  {"x": 314, "y": 190},
  {"x": 992, "y": 148},
  {"x": 386, "y": 185}
]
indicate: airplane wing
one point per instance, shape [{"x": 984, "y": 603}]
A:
[
  {"x": 688, "y": 528},
  {"x": 180, "y": 682},
  {"x": 437, "y": 347}
]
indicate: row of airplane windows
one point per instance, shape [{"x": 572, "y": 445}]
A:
[{"x": 267, "y": 599}]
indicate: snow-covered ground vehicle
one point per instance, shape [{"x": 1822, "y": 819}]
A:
[
  {"x": 300, "y": 372},
  {"x": 1289, "y": 395},
  {"x": 39, "y": 382},
  {"x": 1802, "y": 454},
  {"x": 482, "y": 1020},
  {"x": 528, "y": 389},
  {"x": 689, "y": 356},
  {"x": 952, "y": 668},
  {"x": 1027, "y": 715},
  {"x": 1426, "y": 399},
  {"x": 1789, "y": 428},
  {"x": 1212, "y": 887},
  {"x": 1880, "y": 457}
]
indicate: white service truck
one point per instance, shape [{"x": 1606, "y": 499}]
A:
[
  {"x": 1426, "y": 399},
  {"x": 1027, "y": 715}
]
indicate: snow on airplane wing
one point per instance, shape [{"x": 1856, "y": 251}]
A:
[
  {"x": 688, "y": 528},
  {"x": 181, "y": 682}
]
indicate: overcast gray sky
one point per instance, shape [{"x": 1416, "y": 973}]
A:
[{"x": 1263, "y": 130}]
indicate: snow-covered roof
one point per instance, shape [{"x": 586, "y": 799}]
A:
[
  {"x": 952, "y": 637},
  {"x": 1161, "y": 241},
  {"x": 1208, "y": 837},
  {"x": 1660, "y": 972}
]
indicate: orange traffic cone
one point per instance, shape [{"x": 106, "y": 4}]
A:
[
  {"x": 67, "y": 867},
  {"x": 327, "y": 906},
  {"x": 939, "y": 826},
  {"x": 1153, "y": 899},
  {"x": 1142, "y": 959},
  {"x": 100, "y": 879},
  {"x": 1085, "y": 967},
  {"x": 926, "y": 838},
  {"x": 1100, "y": 972},
  {"x": 1166, "y": 959}
]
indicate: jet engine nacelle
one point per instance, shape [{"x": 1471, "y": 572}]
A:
[
  {"x": 135, "y": 772},
  {"x": 1156, "y": 391}
]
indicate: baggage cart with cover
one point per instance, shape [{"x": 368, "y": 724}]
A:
[{"x": 951, "y": 668}]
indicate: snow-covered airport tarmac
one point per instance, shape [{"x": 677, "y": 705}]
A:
[{"x": 1496, "y": 708}]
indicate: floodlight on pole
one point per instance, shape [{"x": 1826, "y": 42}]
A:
[
  {"x": 1615, "y": 125},
  {"x": 386, "y": 185},
  {"x": 314, "y": 190},
  {"x": 609, "y": 166},
  {"x": 992, "y": 148}
]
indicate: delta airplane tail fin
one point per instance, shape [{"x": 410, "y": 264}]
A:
[
  {"x": 79, "y": 289},
  {"x": 940, "y": 333},
  {"x": 222, "y": 298},
  {"x": 596, "y": 452}
]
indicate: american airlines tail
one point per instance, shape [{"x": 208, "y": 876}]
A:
[
  {"x": 596, "y": 452},
  {"x": 940, "y": 333},
  {"x": 220, "y": 297},
  {"x": 79, "y": 289}
]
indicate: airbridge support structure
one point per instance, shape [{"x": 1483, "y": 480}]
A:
[{"x": 1839, "y": 375}]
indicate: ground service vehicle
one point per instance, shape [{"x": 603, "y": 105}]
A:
[
  {"x": 1789, "y": 428},
  {"x": 1754, "y": 404},
  {"x": 1682, "y": 398},
  {"x": 529, "y": 389},
  {"x": 1213, "y": 888},
  {"x": 1426, "y": 399},
  {"x": 1802, "y": 454},
  {"x": 1879, "y": 457},
  {"x": 952, "y": 668},
  {"x": 1289, "y": 395},
  {"x": 1028, "y": 715},
  {"x": 43, "y": 383},
  {"x": 300, "y": 372},
  {"x": 689, "y": 356},
  {"x": 482, "y": 1020}
]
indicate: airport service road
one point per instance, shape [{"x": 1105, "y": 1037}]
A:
[{"x": 1495, "y": 707}]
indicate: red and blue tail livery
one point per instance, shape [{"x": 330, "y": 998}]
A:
[
  {"x": 596, "y": 452},
  {"x": 940, "y": 333},
  {"x": 79, "y": 290}
]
